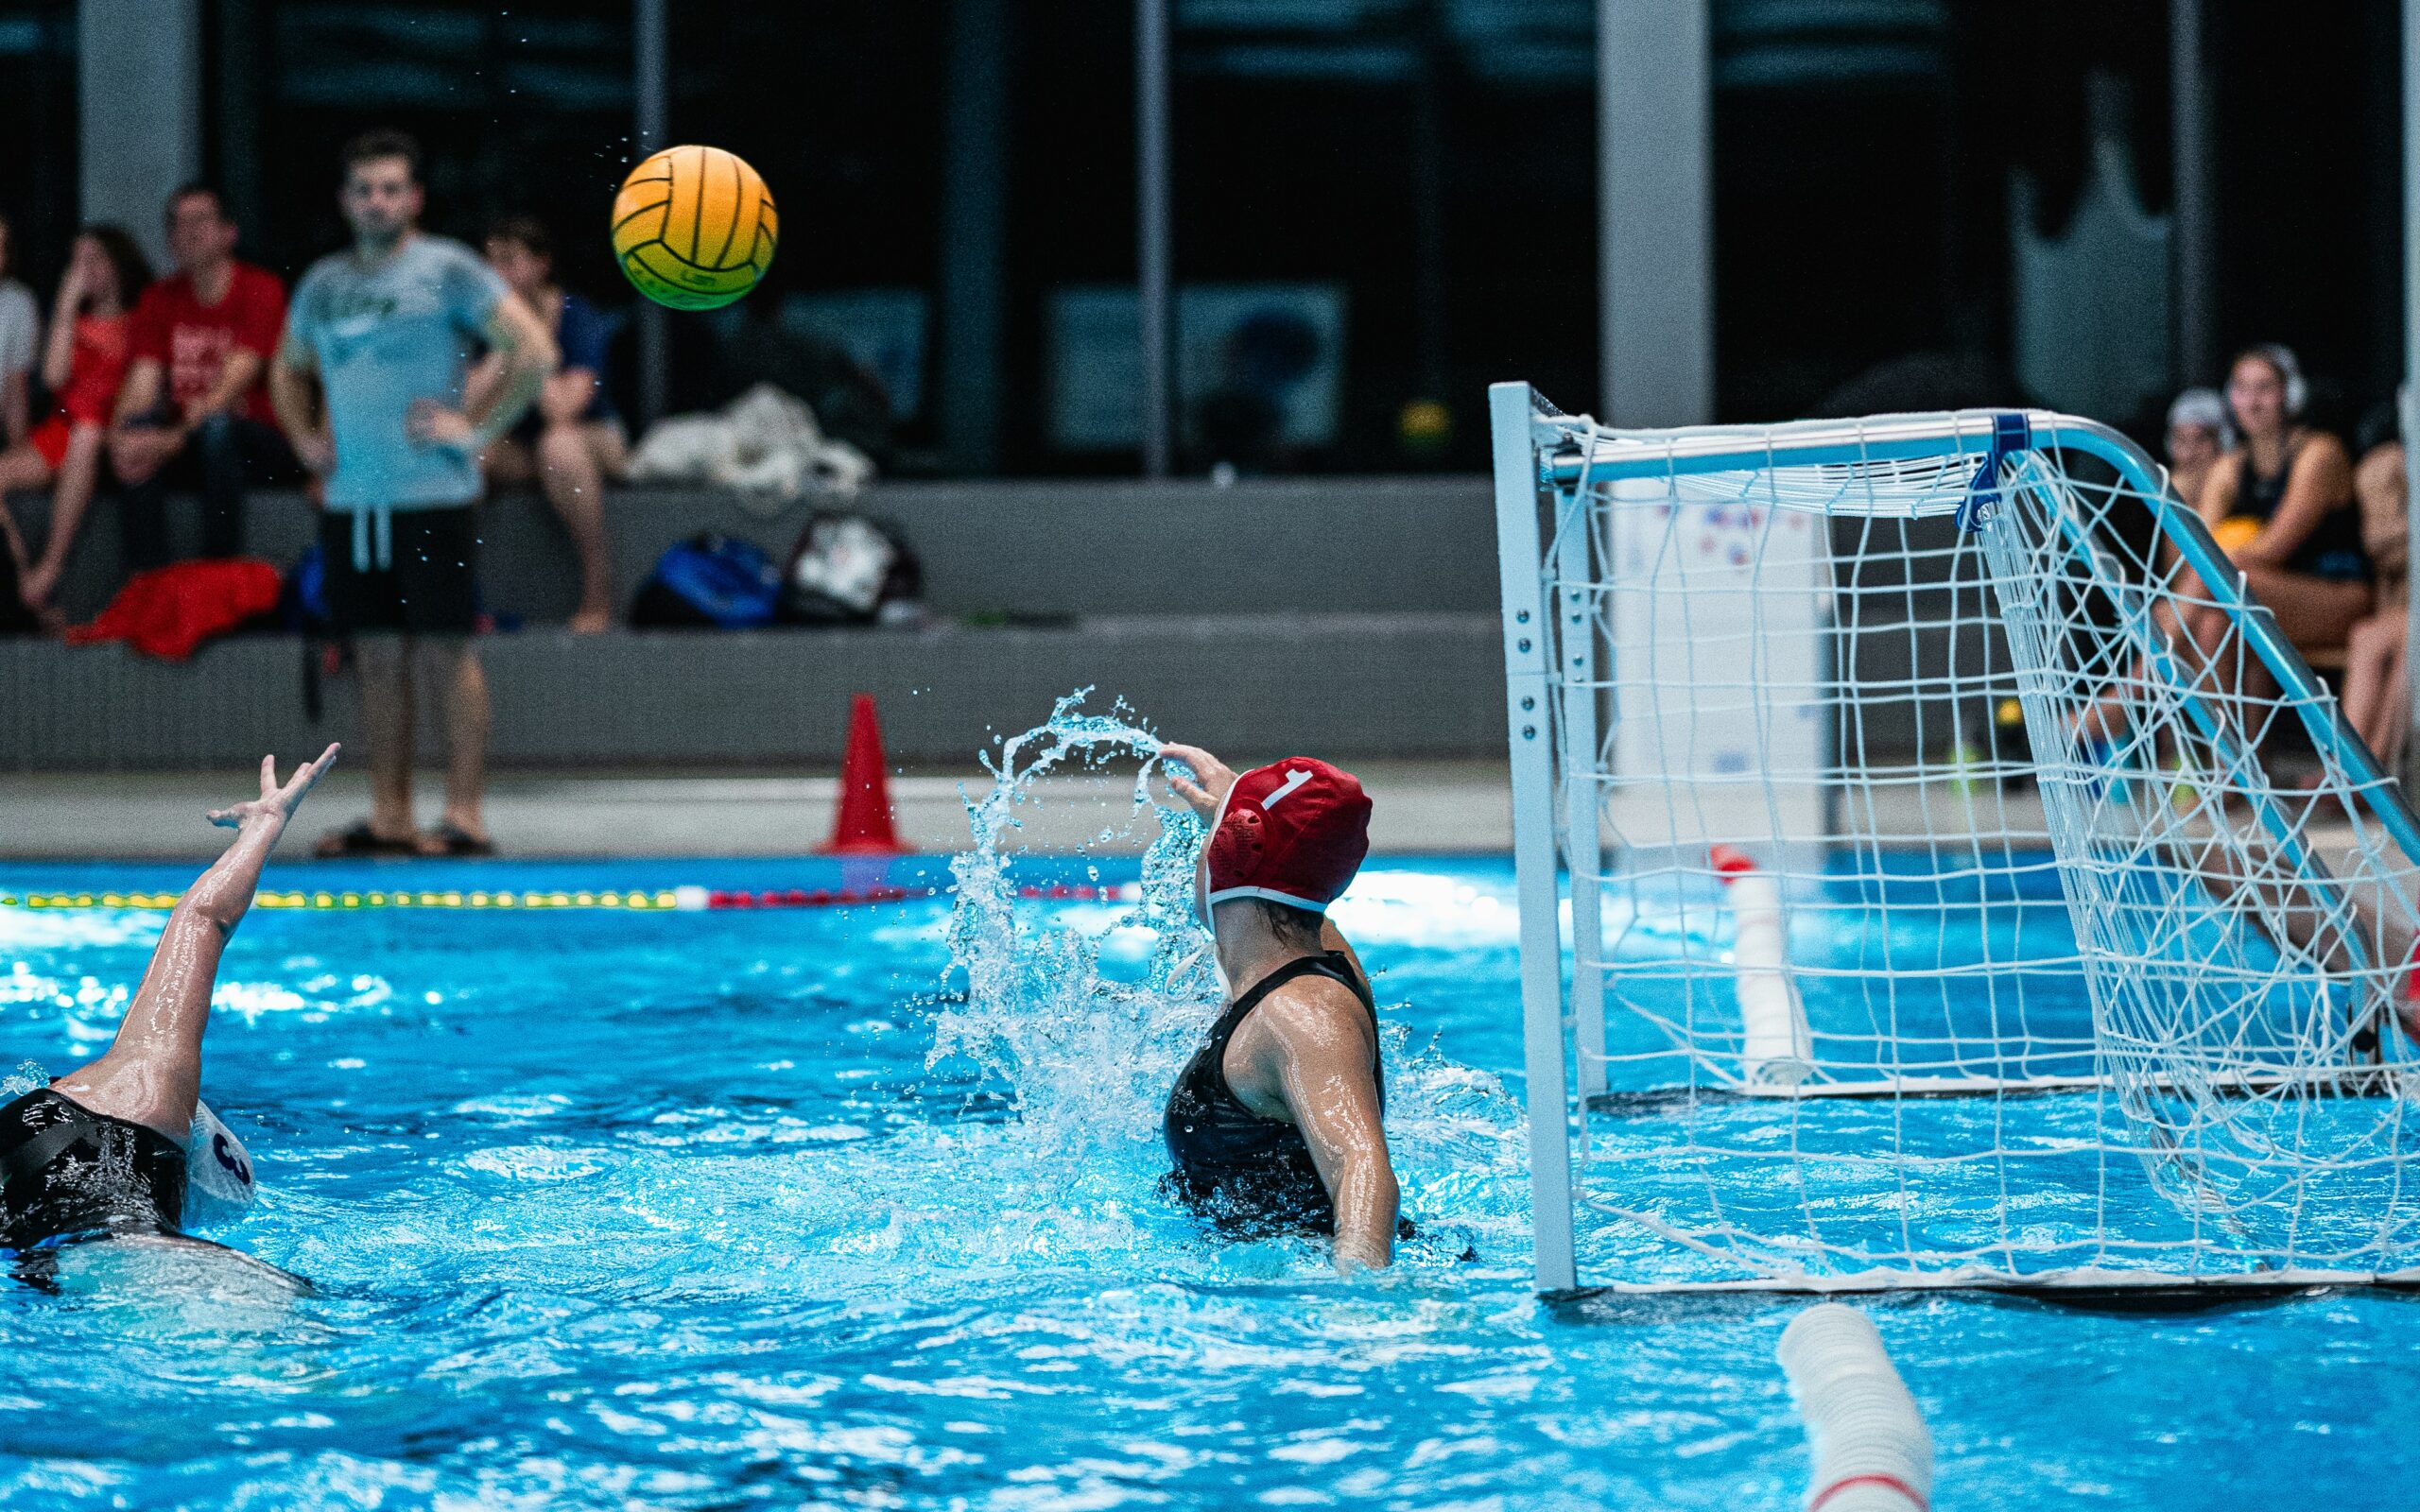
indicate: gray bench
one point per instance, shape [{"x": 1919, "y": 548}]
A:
[
  {"x": 1345, "y": 685},
  {"x": 1042, "y": 549},
  {"x": 1353, "y": 618}
]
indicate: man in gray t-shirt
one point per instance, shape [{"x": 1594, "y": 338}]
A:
[
  {"x": 385, "y": 336},
  {"x": 387, "y": 329}
]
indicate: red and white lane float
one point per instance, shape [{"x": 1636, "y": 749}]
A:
[
  {"x": 683, "y": 900},
  {"x": 1872, "y": 1452},
  {"x": 1776, "y": 1052}
]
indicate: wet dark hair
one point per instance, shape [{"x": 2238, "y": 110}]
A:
[
  {"x": 372, "y": 146},
  {"x": 2280, "y": 359},
  {"x": 1297, "y": 927},
  {"x": 133, "y": 269},
  {"x": 193, "y": 189},
  {"x": 2378, "y": 425},
  {"x": 525, "y": 232},
  {"x": 2267, "y": 357}
]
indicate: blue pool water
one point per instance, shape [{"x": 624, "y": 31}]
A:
[
  {"x": 734, "y": 1210},
  {"x": 1908, "y": 967}
]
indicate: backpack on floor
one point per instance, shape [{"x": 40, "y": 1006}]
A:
[
  {"x": 302, "y": 600},
  {"x": 849, "y": 569},
  {"x": 710, "y": 581}
]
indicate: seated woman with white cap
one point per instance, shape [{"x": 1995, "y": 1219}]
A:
[
  {"x": 2199, "y": 432},
  {"x": 123, "y": 1146},
  {"x": 1277, "y": 1124}
]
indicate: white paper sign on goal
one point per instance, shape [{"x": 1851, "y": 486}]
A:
[{"x": 1718, "y": 616}]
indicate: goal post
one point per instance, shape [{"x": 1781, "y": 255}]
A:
[
  {"x": 1535, "y": 860},
  {"x": 1934, "y": 869}
]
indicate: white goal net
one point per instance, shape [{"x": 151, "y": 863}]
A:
[{"x": 1934, "y": 871}]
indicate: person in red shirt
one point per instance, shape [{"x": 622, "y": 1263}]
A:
[
  {"x": 194, "y": 411},
  {"x": 83, "y": 366}
]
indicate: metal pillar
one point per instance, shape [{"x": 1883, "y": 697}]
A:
[
  {"x": 1156, "y": 296},
  {"x": 1427, "y": 145},
  {"x": 651, "y": 91},
  {"x": 975, "y": 215},
  {"x": 2195, "y": 265},
  {"x": 139, "y": 77},
  {"x": 241, "y": 47},
  {"x": 1655, "y": 213}
]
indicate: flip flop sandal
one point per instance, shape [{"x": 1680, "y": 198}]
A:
[
  {"x": 361, "y": 840},
  {"x": 457, "y": 841}
]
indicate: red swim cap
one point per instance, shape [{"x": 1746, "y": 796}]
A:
[{"x": 1293, "y": 831}]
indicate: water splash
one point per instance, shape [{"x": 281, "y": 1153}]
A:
[{"x": 1090, "y": 1057}]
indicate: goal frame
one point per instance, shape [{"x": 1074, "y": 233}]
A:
[{"x": 1541, "y": 470}]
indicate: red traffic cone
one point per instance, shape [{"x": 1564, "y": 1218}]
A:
[{"x": 861, "y": 822}]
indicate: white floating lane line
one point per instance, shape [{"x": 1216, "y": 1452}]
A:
[
  {"x": 686, "y": 899},
  {"x": 1775, "y": 1050},
  {"x": 1872, "y": 1452}
]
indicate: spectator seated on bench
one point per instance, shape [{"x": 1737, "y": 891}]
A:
[
  {"x": 83, "y": 364},
  {"x": 571, "y": 443},
  {"x": 194, "y": 413},
  {"x": 2281, "y": 505},
  {"x": 2376, "y": 696}
]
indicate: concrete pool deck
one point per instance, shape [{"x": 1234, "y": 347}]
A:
[{"x": 1421, "y": 806}]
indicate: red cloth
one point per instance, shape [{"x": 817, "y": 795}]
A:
[
  {"x": 1293, "y": 831},
  {"x": 97, "y": 370},
  {"x": 170, "y": 611},
  {"x": 192, "y": 339},
  {"x": 50, "y": 438}
]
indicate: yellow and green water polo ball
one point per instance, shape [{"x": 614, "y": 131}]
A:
[{"x": 694, "y": 227}]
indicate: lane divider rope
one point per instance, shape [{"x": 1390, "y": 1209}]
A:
[
  {"x": 683, "y": 900},
  {"x": 1872, "y": 1451}
]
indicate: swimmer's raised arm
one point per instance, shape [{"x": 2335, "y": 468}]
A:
[
  {"x": 223, "y": 894},
  {"x": 152, "y": 1073}
]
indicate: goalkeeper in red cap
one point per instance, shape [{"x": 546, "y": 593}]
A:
[{"x": 1277, "y": 1124}]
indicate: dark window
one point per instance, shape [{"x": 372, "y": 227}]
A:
[{"x": 38, "y": 178}]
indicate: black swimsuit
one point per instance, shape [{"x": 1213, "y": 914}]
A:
[
  {"x": 1252, "y": 1175},
  {"x": 66, "y": 1169},
  {"x": 2333, "y": 548}
]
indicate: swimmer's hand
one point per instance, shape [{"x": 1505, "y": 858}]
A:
[
  {"x": 276, "y": 804},
  {"x": 1207, "y": 788}
]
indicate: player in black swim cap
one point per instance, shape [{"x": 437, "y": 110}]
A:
[{"x": 113, "y": 1147}]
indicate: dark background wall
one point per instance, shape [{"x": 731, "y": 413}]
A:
[{"x": 1431, "y": 158}]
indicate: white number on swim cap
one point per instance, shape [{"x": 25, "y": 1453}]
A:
[{"x": 1293, "y": 781}]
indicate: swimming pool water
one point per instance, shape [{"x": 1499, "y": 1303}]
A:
[{"x": 685, "y": 1211}]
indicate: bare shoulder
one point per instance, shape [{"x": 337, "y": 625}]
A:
[
  {"x": 2382, "y": 466},
  {"x": 2323, "y": 455},
  {"x": 1317, "y": 1016},
  {"x": 2378, "y": 480},
  {"x": 1312, "y": 1030}
]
